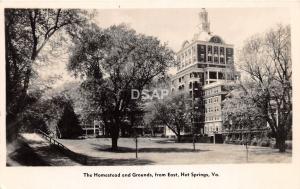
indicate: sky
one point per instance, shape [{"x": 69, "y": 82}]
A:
[{"x": 233, "y": 25}]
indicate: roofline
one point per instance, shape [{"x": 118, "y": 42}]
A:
[{"x": 206, "y": 42}]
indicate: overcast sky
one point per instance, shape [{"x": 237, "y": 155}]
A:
[
  {"x": 234, "y": 25},
  {"x": 176, "y": 25}
]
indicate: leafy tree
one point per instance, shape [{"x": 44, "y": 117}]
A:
[
  {"x": 33, "y": 117},
  {"x": 266, "y": 60},
  {"x": 27, "y": 33},
  {"x": 240, "y": 112},
  {"x": 69, "y": 125},
  {"x": 174, "y": 113},
  {"x": 149, "y": 120},
  {"x": 112, "y": 62},
  {"x": 150, "y": 123}
]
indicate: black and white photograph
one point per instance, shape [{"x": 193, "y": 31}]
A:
[{"x": 139, "y": 87}]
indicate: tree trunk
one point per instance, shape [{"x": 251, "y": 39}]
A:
[
  {"x": 114, "y": 143},
  {"x": 280, "y": 143},
  {"x": 115, "y": 134},
  {"x": 178, "y": 138}
]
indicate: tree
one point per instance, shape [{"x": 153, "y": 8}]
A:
[
  {"x": 266, "y": 60},
  {"x": 27, "y": 32},
  {"x": 33, "y": 117},
  {"x": 112, "y": 62},
  {"x": 158, "y": 85},
  {"x": 240, "y": 112},
  {"x": 69, "y": 125},
  {"x": 174, "y": 113}
]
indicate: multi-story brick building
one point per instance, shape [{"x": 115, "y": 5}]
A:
[{"x": 205, "y": 66}]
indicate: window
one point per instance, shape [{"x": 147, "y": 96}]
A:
[
  {"x": 216, "y": 50},
  {"x": 221, "y": 60},
  {"x": 222, "y": 50},
  {"x": 213, "y": 75},
  {"x": 209, "y": 49},
  {"x": 216, "y": 59},
  {"x": 209, "y": 58}
]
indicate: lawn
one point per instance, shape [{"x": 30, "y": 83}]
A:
[{"x": 152, "y": 151}]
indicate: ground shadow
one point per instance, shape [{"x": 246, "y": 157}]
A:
[
  {"x": 95, "y": 161},
  {"x": 91, "y": 161},
  {"x": 25, "y": 156},
  {"x": 107, "y": 148},
  {"x": 165, "y": 141}
]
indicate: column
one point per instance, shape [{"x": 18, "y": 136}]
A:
[{"x": 208, "y": 76}]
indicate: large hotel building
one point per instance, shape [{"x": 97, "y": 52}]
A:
[{"x": 205, "y": 67}]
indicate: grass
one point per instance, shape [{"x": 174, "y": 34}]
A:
[{"x": 152, "y": 151}]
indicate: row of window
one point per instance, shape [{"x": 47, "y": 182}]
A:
[
  {"x": 215, "y": 50},
  {"x": 210, "y": 59},
  {"x": 213, "y": 118},
  {"x": 184, "y": 63},
  {"x": 210, "y": 75},
  {"x": 212, "y": 109},
  {"x": 196, "y": 75},
  {"x": 181, "y": 79},
  {"x": 187, "y": 53},
  {"x": 212, "y": 129},
  {"x": 211, "y": 100},
  {"x": 189, "y": 56},
  {"x": 215, "y": 58},
  {"x": 212, "y": 91}
]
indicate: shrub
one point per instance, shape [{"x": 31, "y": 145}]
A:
[
  {"x": 226, "y": 141},
  {"x": 265, "y": 142},
  {"x": 253, "y": 142}
]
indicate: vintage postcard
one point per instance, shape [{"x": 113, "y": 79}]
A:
[{"x": 103, "y": 93}]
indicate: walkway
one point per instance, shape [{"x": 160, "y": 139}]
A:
[{"x": 44, "y": 153}]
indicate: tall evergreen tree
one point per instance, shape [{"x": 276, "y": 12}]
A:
[{"x": 69, "y": 125}]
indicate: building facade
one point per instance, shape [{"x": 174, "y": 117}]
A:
[{"x": 205, "y": 67}]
